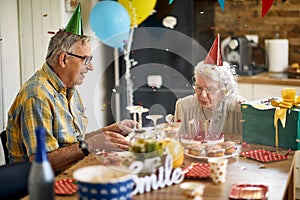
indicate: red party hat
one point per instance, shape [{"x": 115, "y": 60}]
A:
[{"x": 214, "y": 56}]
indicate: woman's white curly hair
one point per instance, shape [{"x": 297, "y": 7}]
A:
[{"x": 225, "y": 75}]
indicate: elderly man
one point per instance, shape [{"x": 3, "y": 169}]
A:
[{"x": 49, "y": 99}]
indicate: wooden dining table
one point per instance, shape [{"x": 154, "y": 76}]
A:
[{"x": 278, "y": 176}]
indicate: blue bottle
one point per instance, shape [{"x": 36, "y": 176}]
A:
[{"x": 41, "y": 176}]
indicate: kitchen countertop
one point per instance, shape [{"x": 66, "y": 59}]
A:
[{"x": 270, "y": 78}]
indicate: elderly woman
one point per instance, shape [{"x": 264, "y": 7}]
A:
[{"x": 214, "y": 108}]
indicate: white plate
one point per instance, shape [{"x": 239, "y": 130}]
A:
[{"x": 207, "y": 157}]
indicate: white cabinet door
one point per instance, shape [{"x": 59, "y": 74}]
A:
[{"x": 246, "y": 90}]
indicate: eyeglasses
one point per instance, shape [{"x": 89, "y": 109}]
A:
[
  {"x": 210, "y": 90},
  {"x": 86, "y": 59}
]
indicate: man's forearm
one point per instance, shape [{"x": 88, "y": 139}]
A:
[{"x": 63, "y": 157}]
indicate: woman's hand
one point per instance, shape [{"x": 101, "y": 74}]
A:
[
  {"x": 108, "y": 141},
  {"x": 123, "y": 127}
]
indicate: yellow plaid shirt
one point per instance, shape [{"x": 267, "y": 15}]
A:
[{"x": 44, "y": 101}]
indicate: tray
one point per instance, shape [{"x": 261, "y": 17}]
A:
[
  {"x": 293, "y": 73},
  {"x": 249, "y": 191},
  {"x": 65, "y": 187}
]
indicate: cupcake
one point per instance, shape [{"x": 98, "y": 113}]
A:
[
  {"x": 214, "y": 150},
  {"x": 228, "y": 146},
  {"x": 196, "y": 149}
]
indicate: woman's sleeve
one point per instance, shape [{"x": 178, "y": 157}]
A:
[{"x": 177, "y": 114}]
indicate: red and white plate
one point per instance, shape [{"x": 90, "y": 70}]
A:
[
  {"x": 197, "y": 171},
  {"x": 249, "y": 191},
  {"x": 264, "y": 155},
  {"x": 65, "y": 187}
]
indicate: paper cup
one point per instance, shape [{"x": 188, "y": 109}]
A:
[
  {"x": 288, "y": 94},
  {"x": 104, "y": 182},
  {"x": 218, "y": 169}
]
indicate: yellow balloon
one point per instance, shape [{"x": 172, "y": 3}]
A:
[{"x": 138, "y": 10}]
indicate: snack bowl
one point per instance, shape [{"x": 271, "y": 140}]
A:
[
  {"x": 192, "y": 189},
  {"x": 104, "y": 182}
]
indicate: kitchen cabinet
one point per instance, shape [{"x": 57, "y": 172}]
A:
[
  {"x": 252, "y": 91},
  {"x": 265, "y": 85}
]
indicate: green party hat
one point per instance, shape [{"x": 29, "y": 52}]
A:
[{"x": 75, "y": 24}]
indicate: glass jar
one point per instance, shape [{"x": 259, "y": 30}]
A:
[
  {"x": 172, "y": 143},
  {"x": 147, "y": 149}
]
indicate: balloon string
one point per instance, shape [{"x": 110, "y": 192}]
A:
[
  {"x": 128, "y": 79},
  {"x": 127, "y": 49},
  {"x": 134, "y": 23}
]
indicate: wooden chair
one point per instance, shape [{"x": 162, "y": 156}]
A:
[
  {"x": 13, "y": 181},
  {"x": 5, "y": 150},
  {"x": 13, "y": 177}
]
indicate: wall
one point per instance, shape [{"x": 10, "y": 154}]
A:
[
  {"x": 244, "y": 17},
  {"x": 24, "y": 27},
  {"x": 10, "y": 64}
]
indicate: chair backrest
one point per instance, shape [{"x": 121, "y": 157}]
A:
[
  {"x": 13, "y": 180},
  {"x": 3, "y": 141}
]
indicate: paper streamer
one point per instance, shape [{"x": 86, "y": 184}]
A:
[
  {"x": 221, "y": 2},
  {"x": 128, "y": 79},
  {"x": 266, "y": 5}
]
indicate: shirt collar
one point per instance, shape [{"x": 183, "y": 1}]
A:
[{"x": 53, "y": 78}]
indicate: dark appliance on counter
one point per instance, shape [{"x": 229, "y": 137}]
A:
[{"x": 239, "y": 52}]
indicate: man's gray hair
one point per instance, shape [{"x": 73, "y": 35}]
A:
[{"x": 62, "y": 41}]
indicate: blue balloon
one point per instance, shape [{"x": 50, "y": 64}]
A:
[{"x": 111, "y": 23}]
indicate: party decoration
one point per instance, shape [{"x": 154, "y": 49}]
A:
[
  {"x": 289, "y": 100},
  {"x": 221, "y": 3},
  {"x": 164, "y": 178},
  {"x": 75, "y": 24},
  {"x": 138, "y": 10},
  {"x": 111, "y": 23},
  {"x": 214, "y": 56},
  {"x": 170, "y": 1},
  {"x": 266, "y": 5},
  {"x": 169, "y": 22}
]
